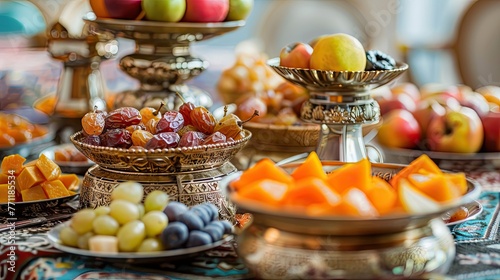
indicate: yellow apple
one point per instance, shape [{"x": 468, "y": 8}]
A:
[{"x": 338, "y": 52}]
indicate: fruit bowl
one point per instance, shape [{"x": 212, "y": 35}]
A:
[
  {"x": 160, "y": 160},
  {"x": 343, "y": 81},
  {"x": 348, "y": 248}
]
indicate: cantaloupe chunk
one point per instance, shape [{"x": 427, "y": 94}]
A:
[
  {"x": 266, "y": 191},
  {"x": 12, "y": 163},
  {"x": 263, "y": 169},
  {"x": 423, "y": 165},
  {"x": 103, "y": 244},
  {"x": 4, "y": 193},
  {"x": 415, "y": 201},
  {"x": 54, "y": 189},
  {"x": 34, "y": 193},
  {"x": 357, "y": 175},
  {"x": 458, "y": 180},
  {"x": 382, "y": 195},
  {"x": 70, "y": 181},
  {"x": 311, "y": 190},
  {"x": 311, "y": 167},
  {"x": 435, "y": 186},
  {"x": 29, "y": 177},
  {"x": 50, "y": 169},
  {"x": 353, "y": 203}
]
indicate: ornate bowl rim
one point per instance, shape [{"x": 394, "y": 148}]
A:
[{"x": 342, "y": 225}]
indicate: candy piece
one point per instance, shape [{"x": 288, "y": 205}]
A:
[
  {"x": 70, "y": 181},
  {"x": 33, "y": 194},
  {"x": 12, "y": 163},
  {"x": 103, "y": 243},
  {"x": 54, "y": 189},
  {"x": 49, "y": 169},
  {"x": 29, "y": 177}
]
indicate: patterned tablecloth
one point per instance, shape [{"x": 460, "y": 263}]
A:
[{"x": 32, "y": 257}]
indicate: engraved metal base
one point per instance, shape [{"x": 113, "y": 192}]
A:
[
  {"x": 190, "y": 188},
  {"x": 276, "y": 254}
]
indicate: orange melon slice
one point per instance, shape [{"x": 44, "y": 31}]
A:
[
  {"x": 423, "y": 165},
  {"x": 311, "y": 190},
  {"x": 382, "y": 195},
  {"x": 356, "y": 203},
  {"x": 12, "y": 164},
  {"x": 415, "y": 201},
  {"x": 458, "y": 180},
  {"x": 356, "y": 175},
  {"x": 311, "y": 167},
  {"x": 263, "y": 169},
  {"x": 435, "y": 186},
  {"x": 265, "y": 191}
]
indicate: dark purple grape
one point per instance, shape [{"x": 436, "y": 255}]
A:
[
  {"x": 94, "y": 140},
  {"x": 192, "y": 221},
  {"x": 201, "y": 212},
  {"x": 116, "y": 138},
  {"x": 163, "y": 140},
  {"x": 216, "y": 232},
  {"x": 378, "y": 60},
  {"x": 228, "y": 227},
  {"x": 123, "y": 117},
  {"x": 174, "y": 235},
  {"x": 213, "y": 210},
  {"x": 198, "y": 238},
  {"x": 171, "y": 121},
  {"x": 192, "y": 138},
  {"x": 174, "y": 209}
]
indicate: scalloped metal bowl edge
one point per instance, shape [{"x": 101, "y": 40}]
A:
[
  {"x": 338, "y": 81},
  {"x": 161, "y": 160},
  {"x": 345, "y": 226}
]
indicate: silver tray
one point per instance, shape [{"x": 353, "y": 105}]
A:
[{"x": 133, "y": 257}]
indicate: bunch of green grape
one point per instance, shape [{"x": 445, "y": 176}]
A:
[{"x": 126, "y": 225}]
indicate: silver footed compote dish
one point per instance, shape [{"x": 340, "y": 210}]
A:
[
  {"x": 341, "y": 101},
  {"x": 280, "y": 244}
]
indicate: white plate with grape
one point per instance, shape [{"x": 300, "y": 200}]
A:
[{"x": 130, "y": 231}]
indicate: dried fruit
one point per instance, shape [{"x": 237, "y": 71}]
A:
[
  {"x": 123, "y": 117},
  {"x": 377, "y": 60},
  {"x": 117, "y": 138},
  {"x": 215, "y": 138},
  {"x": 185, "y": 109},
  {"x": 231, "y": 125},
  {"x": 172, "y": 121},
  {"x": 148, "y": 113},
  {"x": 163, "y": 140},
  {"x": 192, "y": 138},
  {"x": 203, "y": 120},
  {"x": 93, "y": 122},
  {"x": 141, "y": 137}
]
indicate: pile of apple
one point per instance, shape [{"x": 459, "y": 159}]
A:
[
  {"x": 173, "y": 10},
  {"x": 441, "y": 118}
]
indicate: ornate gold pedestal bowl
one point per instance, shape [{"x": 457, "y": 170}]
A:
[
  {"x": 188, "y": 175},
  {"x": 281, "y": 245}
]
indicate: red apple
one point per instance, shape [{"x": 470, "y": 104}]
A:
[
  {"x": 399, "y": 129},
  {"x": 408, "y": 88},
  {"x": 475, "y": 101},
  {"x": 491, "y": 128},
  {"x": 296, "y": 55},
  {"x": 458, "y": 131},
  {"x": 399, "y": 101},
  {"x": 426, "y": 111},
  {"x": 206, "y": 10},
  {"x": 123, "y": 9}
]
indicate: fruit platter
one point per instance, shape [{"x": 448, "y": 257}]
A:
[
  {"x": 134, "y": 232},
  {"x": 38, "y": 185},
  {"x": 69, "y": 159},
  {"x": 454, "y": 125},
  {"x": 313, "y": 208}
]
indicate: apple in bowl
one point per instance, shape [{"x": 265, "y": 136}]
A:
[
  {"x": 456, "y": 132},
  {"x": 296, "y": 55},
  {"x": 206, "y": 10}
]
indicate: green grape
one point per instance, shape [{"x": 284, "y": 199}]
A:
[
  {"x": 150, "y": 245},
  {"x": 130, "y": 236},
  {"x": 141, "y": 210},
  {"x": 123, "y": 211},
  {"x": 69, "y": 237},
  {"x": 105, "y": 225},
  {"x": 129, "y": 191},
  {"x": 82, "y": 220},
  {"x": 156, "y": 200},
  {"x": 101, "y": 210},
  {"x": 155, "y": 222},
  {"x": 83, "y": 240}
]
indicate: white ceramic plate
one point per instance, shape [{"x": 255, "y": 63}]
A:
[{"x": 133, "y": 257}]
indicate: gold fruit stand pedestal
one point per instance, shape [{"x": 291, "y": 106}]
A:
[{"x": 162, "y": 60}]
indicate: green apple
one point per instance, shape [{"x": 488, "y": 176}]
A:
[
  {"x": 239, "y": 9},
  {"x": 164, "y": 10}
]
